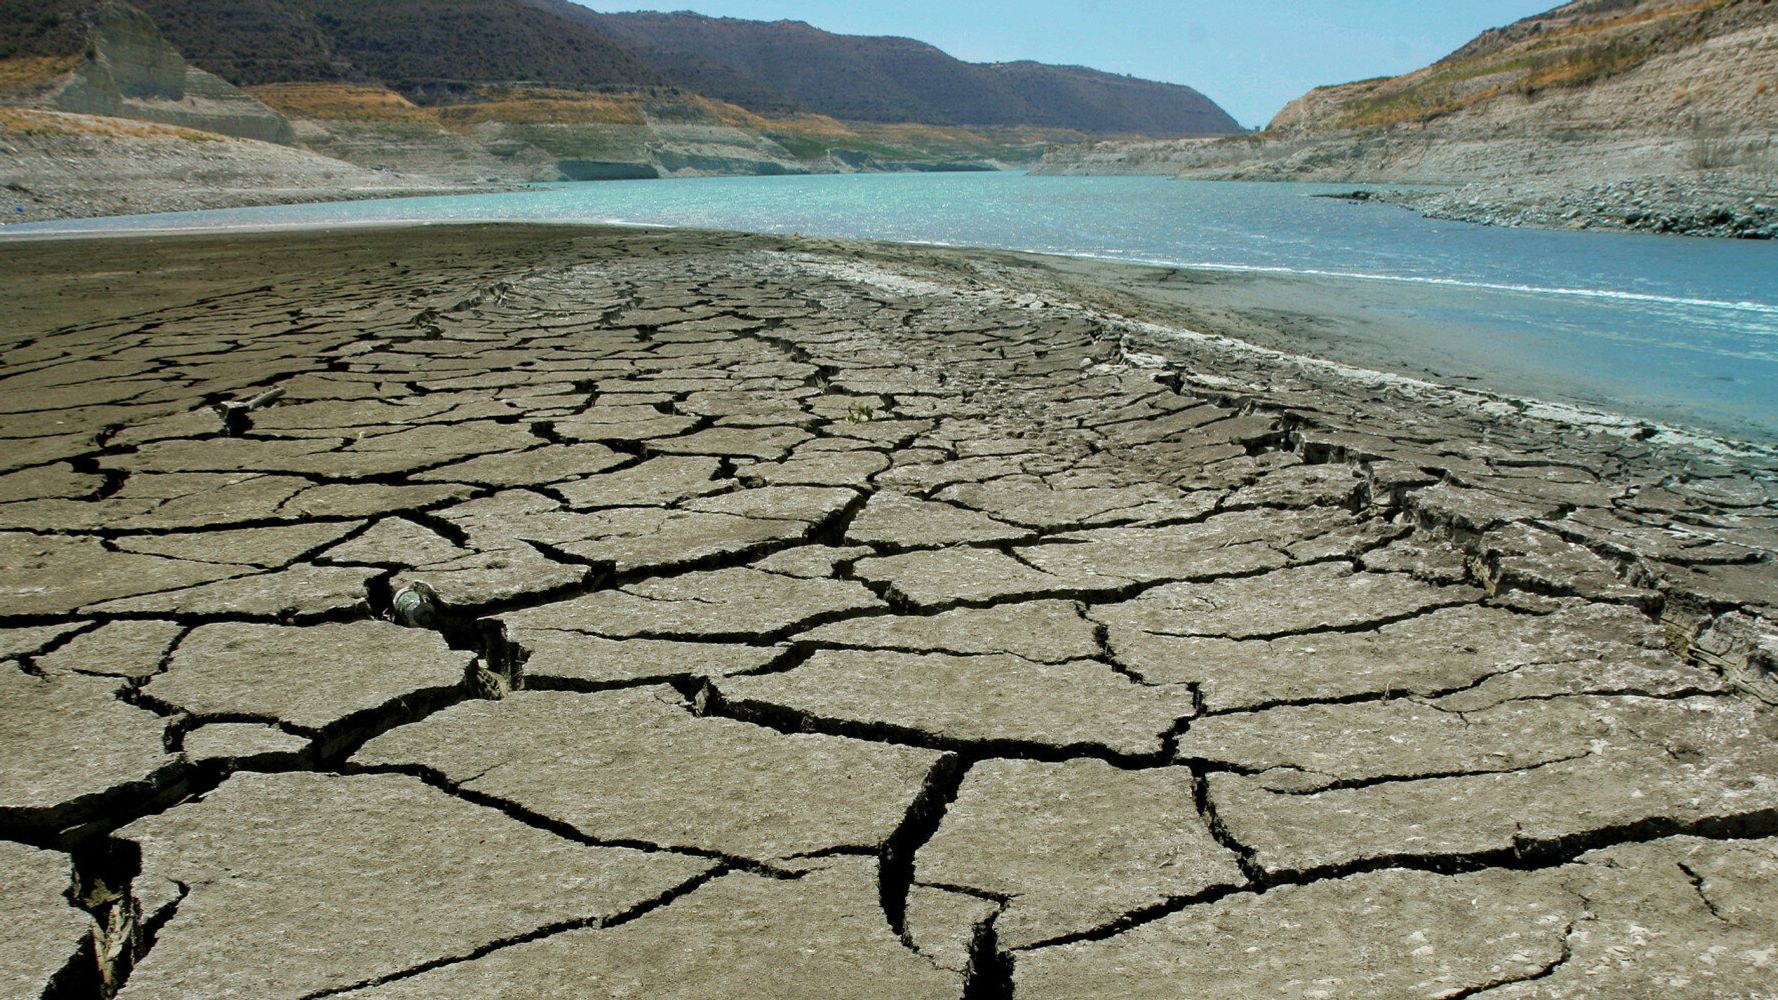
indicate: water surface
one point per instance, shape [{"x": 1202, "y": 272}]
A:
[{"x": 1665, "y": 328}]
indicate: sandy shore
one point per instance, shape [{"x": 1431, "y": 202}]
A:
[{"x": 585, "y": 611}]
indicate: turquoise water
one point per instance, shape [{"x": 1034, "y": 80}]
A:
[{"x": 1665, "y": 328}]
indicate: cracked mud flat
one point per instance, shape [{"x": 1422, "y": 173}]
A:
[{"x": 836, "y": 620}]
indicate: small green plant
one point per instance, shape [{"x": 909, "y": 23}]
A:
[{"x": 860, "y": 413}]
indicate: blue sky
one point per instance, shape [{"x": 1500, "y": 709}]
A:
[{"x": 1251, "y": 56}]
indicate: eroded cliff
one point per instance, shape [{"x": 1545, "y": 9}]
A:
[{"x": 1570, "y": 110}]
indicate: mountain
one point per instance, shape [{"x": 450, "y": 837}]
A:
[
  {"x": 1598, "y": 65},
  {"x": 443, "y": 51},
  {"x": 791, "y": 66},
  {"x": 427, "y": 48},
  {"x": 418, "y": 94},
  {"x": 421, "y": 93},
  {"x": 109, "y": 59},
  {"x": 1659, "y": 115}
]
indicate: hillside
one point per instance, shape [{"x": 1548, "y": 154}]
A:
[
  {"x": 1594, "y": 64},
  {"x": 440, "y": 51},
  {"x": 1641, "y": 114},
  {"x": 789, "y": 65},
  {"x": 427, "y": 48},
  {"x": 109, "y": 59},
  {"x": 353, "y": 100},
  {"x": 424, "y": 94}
]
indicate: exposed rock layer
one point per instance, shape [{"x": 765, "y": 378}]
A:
[{"x": 1659, "y": 115}]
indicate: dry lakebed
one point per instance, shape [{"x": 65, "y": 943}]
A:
[{"x": 527, "y": 611}]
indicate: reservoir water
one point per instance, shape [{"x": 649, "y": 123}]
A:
[{"x": 1683, "y": 331}]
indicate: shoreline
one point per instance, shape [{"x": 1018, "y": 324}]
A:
[
  {"x": 1224, "y": 352},
  {"x": 1337, "y": 319}
]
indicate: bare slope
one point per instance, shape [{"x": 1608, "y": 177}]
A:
[
  {"x": 1660, "y": 114},
  {"x": 443, "y": 50},
  {"x": 56, "y": 165},
  {"x": 423, "y": 47},
  {"x": 1655, "y": 67},
  {"x": 793, "y": 65}
]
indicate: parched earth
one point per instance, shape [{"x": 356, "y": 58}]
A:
[{"x": 820, "y": 620}]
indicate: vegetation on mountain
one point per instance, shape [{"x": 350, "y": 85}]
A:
[
  {"x": 788, "y": 65},
  {"x": 448, "y": 51},
  {"x": 1572, "y": 47},
  {"x": 429, "y": 49},
  {"x": 42, "y": 29}
]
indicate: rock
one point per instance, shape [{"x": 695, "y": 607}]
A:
[
  {"x": 1393, "y": 933},
  {"x": 1073, "y": 846},
  {"x": 132, "y": 73},
  {"x": 1295, "y": 600},
  {"x": 72, "y": 747},
  {"x": 243, "y": 744},
  {"x": 899, "y": 521},
  {"x": 933, "y": 579},
  {"x": 636, "y": 766},
  {"x": 742, "y": 935},
  {"x": 1744, "y": 650},
  {"x": 943, "y": 924},
  {"x": 1045, "y": 631},
  {"x": 1630, "y": 762},
  {"x": 18, "y": 643},
  {"x": 555, "y": 463},
  {"x": 561, "y": 659},
  {"x": 322, "y": 679},
  {"x": 743, "y": 604},
  {"x": 45, "y": 934},
  {"x": 118, "y": 649},
  {"x": 765, "y": 443},
  {"x": 264, "y": 547},
  {"x": 1473, "y": 656},
  {"x": 1229, "y": 545},
  {"x": 302, "y": 591},
  {"x": 85, "y": 573},
  {"x": 307, "y": 883},
  {"x": 961, "y": 700}
]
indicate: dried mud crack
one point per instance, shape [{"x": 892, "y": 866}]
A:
[{"x": 806, "y": 619}]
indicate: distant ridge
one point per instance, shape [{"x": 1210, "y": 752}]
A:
[
  {"x": 428, "y": 49},
  {"x": 441, "y": 51},
  {"x": 1649, "y": 115},
  {"x": 790, "y": 65}
]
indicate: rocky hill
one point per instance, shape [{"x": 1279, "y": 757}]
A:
[
  {"x": 431, "y": 93},
  {"x": 443, "y": 51},
  {"x": 109, "y": 59},
  {"x": 1643, "y": 114},
  {"x": 791, "y": 66},
  {"x": 428, "y": 49}
]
